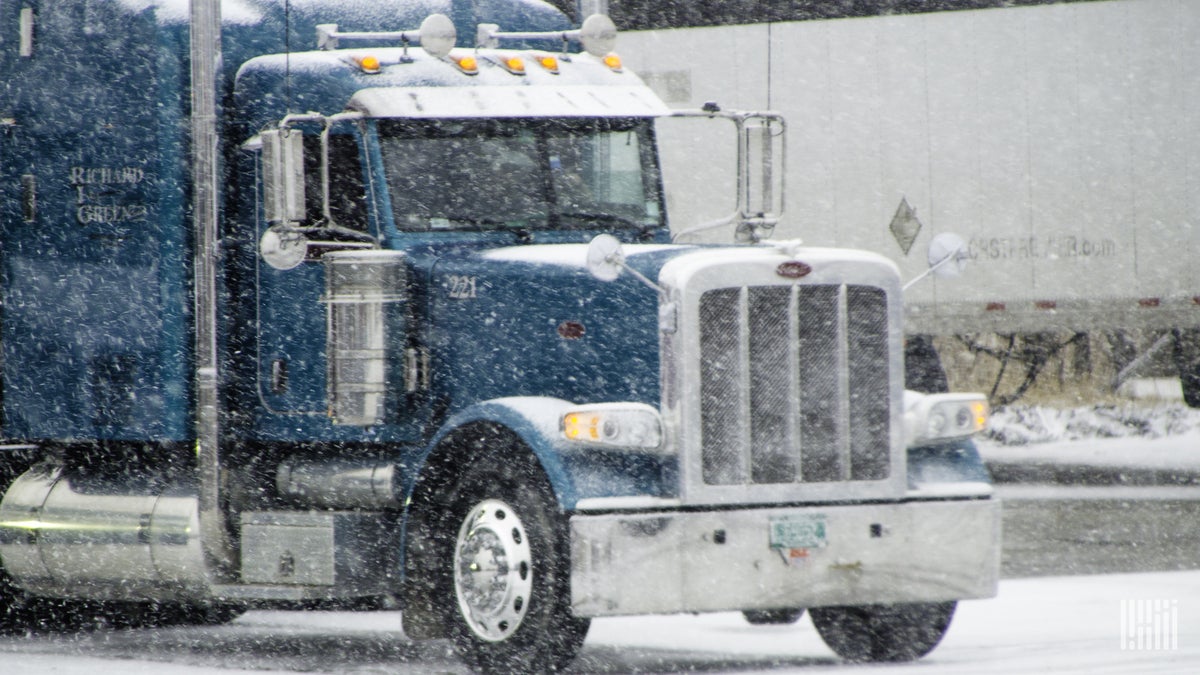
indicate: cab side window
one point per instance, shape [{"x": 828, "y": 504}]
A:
[{"x": 347, "y": 195}]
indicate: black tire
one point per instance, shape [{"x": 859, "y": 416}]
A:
[
  {"x": 214, "y": 615},
  {"x": 772, "y": 617},
  {"x": 28, "y": 615},
  {"x": 923, "y": 369},
  {"x": 902, "y": 632},
  {"x": 12, "y": 606},
  {"x": 19, "y": 612},
  {"x": 22, "y": 613},
  {"x": 507, "y": 569}
]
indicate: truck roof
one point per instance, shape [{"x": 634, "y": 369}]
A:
[{"x": 394, "y": 82}]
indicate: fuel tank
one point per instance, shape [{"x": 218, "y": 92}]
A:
[{"x": 91, "y": 538}]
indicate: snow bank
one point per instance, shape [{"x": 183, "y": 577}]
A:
[{"x": 1019, "y": 425}]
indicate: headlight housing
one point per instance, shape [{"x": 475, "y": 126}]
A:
[
  {"x": 938, "y": 417},
  {"x": 618, "y": 425}
]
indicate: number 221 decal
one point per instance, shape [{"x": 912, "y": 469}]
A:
[{"x": 462, "y": 287}]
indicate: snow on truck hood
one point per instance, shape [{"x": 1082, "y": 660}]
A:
[
  {"x": 566, "y": 255},
  {"x": 755, "y": 263},
  {"x": 575, "y": 255}
]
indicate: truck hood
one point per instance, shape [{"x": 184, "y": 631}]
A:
[{"x": 530, "y": 320}]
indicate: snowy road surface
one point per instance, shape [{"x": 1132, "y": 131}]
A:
[{"x": 1049, "y": 624}]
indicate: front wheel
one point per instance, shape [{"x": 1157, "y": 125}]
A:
[
  {"x": 902, "y": 632},
  {"x": 510, "y": 572}
]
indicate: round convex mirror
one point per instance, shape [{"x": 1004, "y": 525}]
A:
[
  {"x": 605, "y": 257},
  {"x": 598, "y": 34},
  {"x": 438, "y": 35},
  {"x": 282, "y": 249},
  {"x": 947, "y": 255}
]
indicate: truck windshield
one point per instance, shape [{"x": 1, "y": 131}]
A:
[{"x": 522, "y": 174}]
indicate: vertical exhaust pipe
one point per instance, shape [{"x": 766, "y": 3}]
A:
[{"x": 206, "y": 61}]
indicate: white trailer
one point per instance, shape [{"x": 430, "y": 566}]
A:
[{"x": 1058, "y": 139}]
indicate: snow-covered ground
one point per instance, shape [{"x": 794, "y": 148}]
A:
[
  {"x": 1031, "y": 425},
  {"x": 1042, "y": 427},
  {"x": 1054, "y": 624},
  {"x": 1160, "y": 437}
]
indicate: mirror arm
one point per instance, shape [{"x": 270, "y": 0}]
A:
[
  {"x": 749, "y": 222},
  {"x": 702, "y": 227},
  {"x": 912, "y": 282},
  {"x": 643, "y": 278},
  {"x": 327, "y": 122},
  {"x": 326, "y": 210}
]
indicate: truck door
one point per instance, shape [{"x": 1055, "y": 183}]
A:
[{"x": 292, "y": 321}]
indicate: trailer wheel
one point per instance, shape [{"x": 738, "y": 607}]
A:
[
  {"x": 510, "y": 572},
  {"x": 902, "y": 632},
  {"x": 772, "y": 617}
]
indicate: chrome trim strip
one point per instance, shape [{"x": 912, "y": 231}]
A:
[
  {"x": 745, "y": 433},
  {"x": 842, "y": 358}
]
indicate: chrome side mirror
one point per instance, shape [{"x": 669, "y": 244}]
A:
[
  {"x": 762, "y": 163},
  {"x": 283, "y": 175},
  {"x": 947, "y": 255},
  {"x": 605, "y": 257}
]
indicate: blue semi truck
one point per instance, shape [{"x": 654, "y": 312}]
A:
[{"x": 375, "y": 304}]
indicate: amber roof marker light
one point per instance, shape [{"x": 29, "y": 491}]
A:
[{"x": 368, "y": 64}]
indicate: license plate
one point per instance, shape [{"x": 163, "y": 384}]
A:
[{"x": 798, "y": 531}]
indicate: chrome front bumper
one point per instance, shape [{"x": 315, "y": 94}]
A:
[{"x": 673, "y": 561}]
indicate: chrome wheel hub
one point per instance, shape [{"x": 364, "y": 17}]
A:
[{"x": 493, "y": 570}]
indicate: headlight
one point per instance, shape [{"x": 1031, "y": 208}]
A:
[
  {"x": 624, "y": 425},
  {"x": 935, "y": 417}
]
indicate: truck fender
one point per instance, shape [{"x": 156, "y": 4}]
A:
[{"x": 531, "y": 422}]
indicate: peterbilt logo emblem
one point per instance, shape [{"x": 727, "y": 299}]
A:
[{"x": 793, "y": 269}]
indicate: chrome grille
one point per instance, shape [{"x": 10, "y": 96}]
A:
[{"x": 794, "y": 384}]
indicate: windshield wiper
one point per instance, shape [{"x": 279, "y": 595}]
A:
[
  {"x": 608, "y": 219},
  {"x": 335, "y": 232},
  {"x": 477, "y": 221}
]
